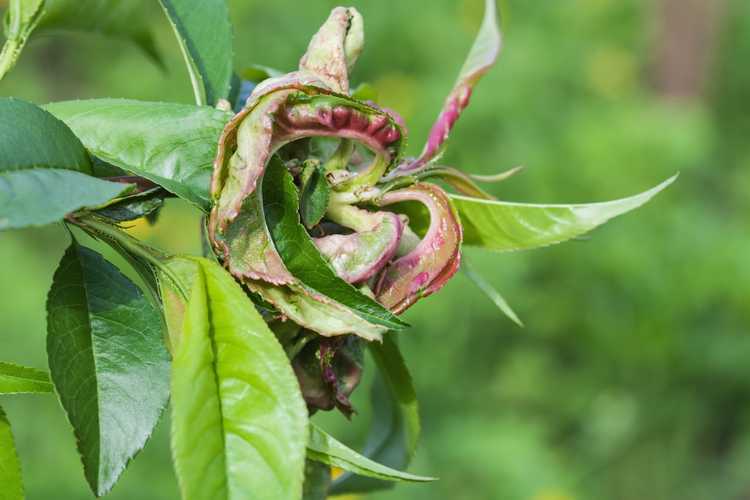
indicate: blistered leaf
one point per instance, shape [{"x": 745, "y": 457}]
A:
[
  {"x": 490, "y": 292},
  {"x": 325, "y": 449},
  {"x": 172, "y": 145},
  {"x": 11, "y": 484},
  {"x": 301, "y": 256},
  {"x": 205, "y": 36},
  {"x": 43, "y": 168},
  {"x": 15, "y": 379},
  {"x": 358, "y": 256},
  {"x": 107, "y": 360},
  {"x": 233, "y": 391},
  {"x": 427, "y": 267},
  {"x": 335, "y": 48},
  {"x": 503, "y": 226},
  {"x": 395, "y": 428},
  {"x": 481, "y": 58}
]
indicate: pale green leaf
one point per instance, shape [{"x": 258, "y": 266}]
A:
[
  {"x": 11, "y": 485},
  {"x": 505, "y": 226},
  {"x": 16, "y": 379},
  {"x": 239, "y": 423},
  {"x": 325, "y": 449}
]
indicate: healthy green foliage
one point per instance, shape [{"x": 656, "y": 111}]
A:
[
  {"x": 107, "y": 360},
  {"x": 43, "y": 168},
  {"x": 239, "y": 423},
  {"x": 15, "y": 379},
  {"x": 395, "y": 428},
  {"x": 205, "y": 37},
  {"x": 11, "y": 485},
  {"x": 490, "y": 291},
  {"x": 172, "y": 145},
  {"x": 504, "y": 226},
  {"x": 314, "y": 197},
  {"x": 325, "y": 449},
  {"x": 301, "y": 257}
]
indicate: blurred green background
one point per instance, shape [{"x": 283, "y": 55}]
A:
[{"x": 631, "y": 379}]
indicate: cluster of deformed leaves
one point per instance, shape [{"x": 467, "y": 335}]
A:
[{"x": 319, "y": 233}]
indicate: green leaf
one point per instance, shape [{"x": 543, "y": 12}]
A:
[
  {"x": 11, "y": 485},
  {"x": 43, "y": 168},
  {"x": 126, "y": 20},
  {"x": 490, "y": 292},
  {"x": 172, "y": 145},
  {"x": 15, "y": 379},
  {"x": 314, "y": 198},
  {"x": 239, "y": 423},
  {"x": 108, "y": 362},
  {"x": 317, "y": 481},
  {"x": 134, "y": 207},
  {"x": 504, "y": 226},
  {"x": 325, "y": 449},
  {"x": 395, "y": 427},
  {"x": 301, "y": 256},
  {"x": 205, "y": 36}
]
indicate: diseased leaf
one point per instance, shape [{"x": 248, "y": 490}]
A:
[
  {"x": 300, "y": 254},
  {"x": 172, "y": 145},
  {"x": 504, "y": 226},
  {"x": 107, "y": 360},
  {"x": 205, "y": 36},
  {"x": 43, "y": 168},
  {"x": 490, "y": 292},
  {"x": 11, "y": 484},
  {"x": 481, "y": 58},
  {"x": 325, "y": 449},
  {"x": 233, "y": 391},
  {"x": 395, "y": 428},
  {"x": 15, "y": 379}
]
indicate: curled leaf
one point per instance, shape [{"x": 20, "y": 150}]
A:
[
  {"x": 335, "y": 48},
  {"x": 481, "y": 58},
  {"x": 359, "y": 256},
  {"x": 435, "y": 259}
]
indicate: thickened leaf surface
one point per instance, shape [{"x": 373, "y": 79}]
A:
[
  {"x": 504, "y": 226},
  {"x": 107, "y": 360},
  {"x": 239, "y": 423},
  {"x": 11, "y": 485},
  {"x": 205, "y": 36},
  {"x": 15, "y": 379},
  {"x": 172, "y": 145},
  {"x": 301, "y": 256}
]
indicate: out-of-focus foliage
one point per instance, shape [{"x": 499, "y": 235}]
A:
[{"x": 631, "y": 379}]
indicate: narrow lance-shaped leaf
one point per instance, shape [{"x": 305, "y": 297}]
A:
[
  {"x": 300, "y": 254},
  {"x": 481, "y": 58},
  {"x": 43, "y": 168},
  {"x": 395, "y": 428},
  {"x": 11, "y": 484},
  {"x": 325, "y": 449},
  {"x": 15, "y": 379},
  {"x": 205, "y": 36},
  {"x": 172, "y": 145},
  {"x": 233, "y": 392},
  {"x": 490, "y": 292},
  {"x": 107, "y": 360},
  {"x": 503, "y": 226}
]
